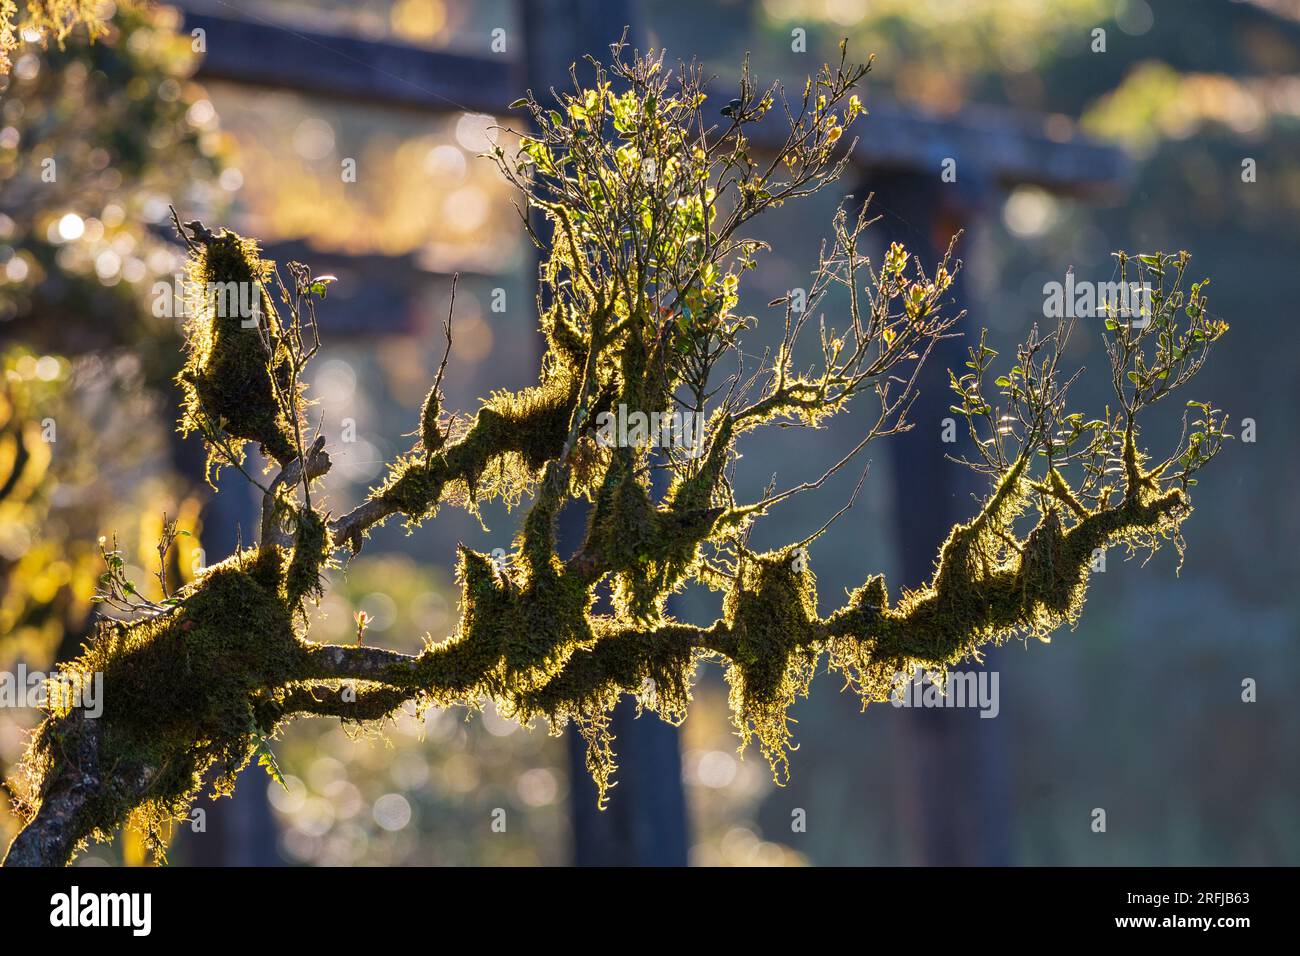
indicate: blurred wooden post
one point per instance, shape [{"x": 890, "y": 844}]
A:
[
  {"x": 644, "y": 823},
  {"x": 946, "y": 824},
  {"x": 951, "y": 764}
]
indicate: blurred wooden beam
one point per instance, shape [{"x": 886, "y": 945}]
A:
[
  {"x": 999, "y": 146},
  {"x": 393, "y": 288},
  {"x": 1002, "y": 146},
  {"x": 260, "y": 53},
  {"x": 939, "y": 824}
]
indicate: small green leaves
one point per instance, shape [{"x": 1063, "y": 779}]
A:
[
  {"x": 320, "y": 285},
  {"x": 265, "y": 757}
]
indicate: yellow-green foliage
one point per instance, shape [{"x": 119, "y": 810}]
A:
[
  {"x": 179, "y": 694},
  {"x": 226, "y": 381}
]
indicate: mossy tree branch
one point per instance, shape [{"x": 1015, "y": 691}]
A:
[{"x": 649, "y": 198}]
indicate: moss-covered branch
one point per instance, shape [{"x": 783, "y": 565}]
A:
[{"x": 638, "y": 302}]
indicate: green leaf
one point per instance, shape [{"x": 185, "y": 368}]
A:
[{"x": 266, "y": 760}]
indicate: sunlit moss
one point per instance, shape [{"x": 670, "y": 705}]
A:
[
  {"x": 194, "y": 690},
  {"x": 312, "y": 549},
  {"x": 227, "y": 381},
  {"x": 771, "y": 611},
  {"x": 513, "y": 435},
  {"x": 179, "y": 696}
]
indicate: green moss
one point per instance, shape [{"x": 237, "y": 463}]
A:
[
  {"x": 528, "y": 641},
  {"x": 652, "y": 550},
  {"x": 226, "y": 380},
  {"x": 432, "y": 436},
  {"x": 193, "y": 692},
  {"x": 179, "y": 694},
  {"x": 511, "y": 438},
  {"x": 771, "y": 611},
  {"x": 312, "y": 548},
  {"x": 517, "y": 629},
  {"x": 566, "y": 343},
  {"x": 991, "y": 586}
]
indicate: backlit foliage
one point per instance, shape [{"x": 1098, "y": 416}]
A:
[
  {"x": 46, "y": 20},
  {"x": 638, "y": 190}
]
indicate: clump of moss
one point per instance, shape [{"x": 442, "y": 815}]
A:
[
  {"x": 771, "y": 611},
  {"x": 179, "y": 696},
  {"x": 518, "y": 627},
  {"x": 853, "y": 649},
  {"x": 651, "y": 550},
  {"x": 991, "y": 585},
  {"x": 313, "y": 546},
  {"x": 622, "y": 528},
  {"x": 229, "y": 380},
  {"x": 515, "y": 433},
  {"x": 432, "y": 435}
]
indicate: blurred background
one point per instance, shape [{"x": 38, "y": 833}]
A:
[{"x": 347, "y": 134}]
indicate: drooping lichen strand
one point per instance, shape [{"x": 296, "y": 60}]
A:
[
  {"x": 657, "y": 667},
  {"x": 511, "y": 438},
  {"x": 226, "y": 381},
  {"x": 771, "y": 613}
]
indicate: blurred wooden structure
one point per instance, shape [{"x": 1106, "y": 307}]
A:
[{"x": 900, "y": 160}]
